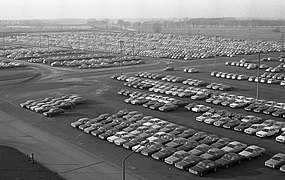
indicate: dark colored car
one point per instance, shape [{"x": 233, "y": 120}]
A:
[
  {"x": 270, "y": 110},
  {"x": 213, "y": 154},
  {"x": 54, "y": 112},
  {"x": 133, "y": 142},
  {"x": 242, "y": 126},
  {"x": 251, "y": 107},
  {"x": 188, "y": 162},
  {"x": 187, "y": 133},
  {"x": 156, "y": 105},
  {"x": 151, "y": 149},
  {"x": 108, "y": 133},
  {"x": 261, "y": 108},
  {"x": 176, "y": 142},
  {"x": 198, "y": 136},
  {"x": 209, "y": 139},
  {"x": 221, "y": 143},
  {"x": 163, "y": 153},
  {"x": 178, "y": 130},
  {"x": 229, "y": 159},
  {"x": 203, "y": 167},
  {"x": 149, "y": 103},
  {"x": 232, "y": 123},
  {"x": 188, "y": 145}
]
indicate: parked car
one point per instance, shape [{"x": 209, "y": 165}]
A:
[
  {"x": 252, "y": 152},
  {"x": 234, "y": 146},
  {"x": 188, "y": 162},
  {"x": 267, "y": 132},
  {"x": 176, "y": 156},
  {"x": 229, "y": 159},
  {"x": 276, "y": 161},
  {"x": 54, "y": 112},
  {"x": 281, "y": 138},
  {"x": 203, "y": 167}
]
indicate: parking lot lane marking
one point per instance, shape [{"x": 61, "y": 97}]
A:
[{"x": 79, "y": 135}]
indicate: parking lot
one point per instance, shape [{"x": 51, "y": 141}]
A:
[{"x": 101, "y": 94}]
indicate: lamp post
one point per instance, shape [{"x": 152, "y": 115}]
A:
[
  {"x": 125, "y": 158},
  {"x": 281, "y": 52},
  {"x": 121, "y": 62},
  {"x": 257, "y": 85}
]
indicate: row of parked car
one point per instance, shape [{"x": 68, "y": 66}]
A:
[
  {"x": 280, "y": 79},
  {"x": 11, "y": 64},
  {"x": 249, "y": 124},
  {"x": 53, "y": 106},
  {"x": 194, "y": 151},
  {"x": 152, "y": 101},
  {"x": 191, "y": 82},
  {"x": 157, "y": 45},
  {"x": 34, "y": 52},
  {"x": 224, "y": 99},
  {"x": 270, "y": 107}
]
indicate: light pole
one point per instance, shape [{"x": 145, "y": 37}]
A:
[
  {"x": 121, "y": 62},
  {"x": 257, "y": 85},
  {"x": 125, "y": 158},
  {"x": 281, "y": 52}
]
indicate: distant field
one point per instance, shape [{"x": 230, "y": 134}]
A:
[{"x": 255, "y": 33}]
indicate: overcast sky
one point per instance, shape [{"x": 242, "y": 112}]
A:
[{"x": 99, "y": 9}]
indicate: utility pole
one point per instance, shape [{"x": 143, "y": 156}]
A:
[
  {"x": 121, "y": 62},
  {"x": 125, "y": 158},
  {"x": 133, "y": 48},
  {"x": 281, "y": 52},
  {"x": 257, "y": 85}
]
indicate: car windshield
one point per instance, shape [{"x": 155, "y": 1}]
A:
[
  {"x": 254, "y": 127},
  {"x": 266, "y": 130},
  {"x": 231, "y": 146},
  {"x": 277, "y": 158},
  {"x": 249, "y": 150},
  {"x": 177, "y": 155},
  {"x": 202, "y": 165},
  {"x": 227, "y": 156},
  {"x": 190, "y": 159},
  {"x": 200, "y": 148}
]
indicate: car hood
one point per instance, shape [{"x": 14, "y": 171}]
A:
[
  {"x": 206, "y": 156},
  {"x": 195, "y": 151},
  {"x": 245, "y": 153},
  {"x": 227, "y": 149},
  {"x": 171, "y": 159}
]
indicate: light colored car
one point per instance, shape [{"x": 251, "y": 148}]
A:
[
  {"x": 117, "y": 136},
  {"x": 268, "y": 122},
  {"x": 212, "y": 119},
  {"x": 267, "y": 132},
  {"x": 234, "y": 146},
  {"x": 254, "y": 128},
  {"x": 200, "y": 108},
  {"x": 276, "y": 161},
  {"x": 79, "y": 122},
  {"x": 252, "y": 151},
  {"x": 204, "y": 116},
  {"x": 281, "y": 138},
  {"x": 279, "y": 125}
]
